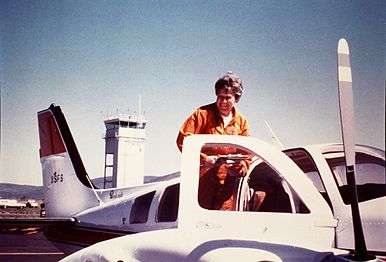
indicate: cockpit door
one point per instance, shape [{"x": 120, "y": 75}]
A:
[{"x": 271, "y": 201}]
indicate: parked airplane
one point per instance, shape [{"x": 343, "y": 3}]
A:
[
  {"x": 295, "y": 222},
  {"x": 98, "y": 213},
  {"x": 305, "y": 209},
  {"x": 14, "y": 203}
]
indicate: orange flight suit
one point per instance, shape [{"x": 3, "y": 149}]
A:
[
  {"x": 213, "y": 194},
  {"x": 207, "y": 120}
]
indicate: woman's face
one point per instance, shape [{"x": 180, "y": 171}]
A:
[
  {"x": 225, "y": 102},
  {"x": 222, "y": 172}
]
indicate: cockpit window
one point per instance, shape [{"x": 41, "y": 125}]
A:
[
  {"x": 279, "y": 195},
  {"x": 221, "y": 168},
  {"x": 369, "y": 175},
  {"x": 168, "y": 206},
  {"x": 234, "y": 178},
  {"x": 305, "y": 162},
  {"x": 140, "y": 209}
]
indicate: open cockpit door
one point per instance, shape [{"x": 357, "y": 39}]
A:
[{"x": 252, "y": 189}]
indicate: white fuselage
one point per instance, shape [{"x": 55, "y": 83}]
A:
[{"x": 283, "y": 236}]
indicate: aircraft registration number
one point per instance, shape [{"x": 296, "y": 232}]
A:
[{"x": 56, "y": 178}]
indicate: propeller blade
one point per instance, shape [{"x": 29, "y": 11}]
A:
[{"x": 346, "y": 107}]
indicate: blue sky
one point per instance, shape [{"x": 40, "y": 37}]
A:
[{"x": 95, "y": 57}]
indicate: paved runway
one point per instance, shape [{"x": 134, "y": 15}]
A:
[{"x": 28, "y": 243}]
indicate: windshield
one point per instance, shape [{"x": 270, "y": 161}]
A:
[
  {"x": 305, "y": 162},
  {"x": 369, "y": 175},
  {"x": 233, "y": 178}
]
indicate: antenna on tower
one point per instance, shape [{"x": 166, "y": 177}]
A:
[{"x": 139, "y": 106}]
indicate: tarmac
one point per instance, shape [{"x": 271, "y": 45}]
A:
[{"x": 28, "y": 243}]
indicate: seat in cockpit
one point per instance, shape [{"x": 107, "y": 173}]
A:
[{"x": 264, "y": 178}]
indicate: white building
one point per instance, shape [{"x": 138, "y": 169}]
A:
[{"x": 124, "y": 151}]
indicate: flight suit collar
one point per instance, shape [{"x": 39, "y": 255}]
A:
[{"x": 220, "y": 124}]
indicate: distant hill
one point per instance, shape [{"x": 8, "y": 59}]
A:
[
  {"x": 98, "y": 182},
  {"x": 151, "y": 179},
  {"x": 15, "y": 191}
]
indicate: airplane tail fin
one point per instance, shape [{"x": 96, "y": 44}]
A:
[{"x": 67, "y": 187}]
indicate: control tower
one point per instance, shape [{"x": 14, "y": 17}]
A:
[{"x": 124, "y": 151}]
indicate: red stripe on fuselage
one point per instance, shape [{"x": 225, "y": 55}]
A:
[{"x": 50, "y": 140}]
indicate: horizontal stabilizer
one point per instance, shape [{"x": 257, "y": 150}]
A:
[{"x": 38, "y": 221}]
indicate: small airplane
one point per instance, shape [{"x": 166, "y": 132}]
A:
[
  {"x": 305, "y": 212},
  {"x": 100, "y": 214},
  {"x": 4, "y": 203}
]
